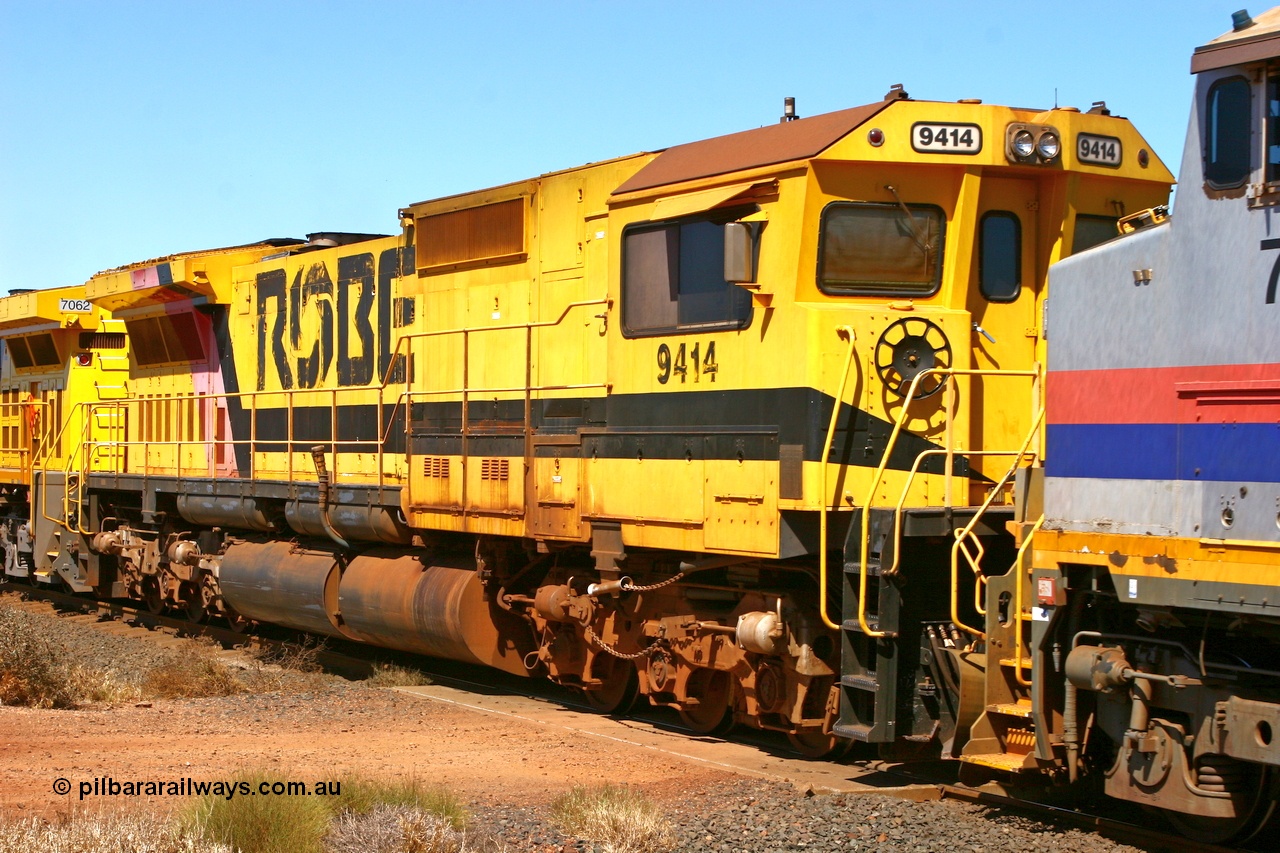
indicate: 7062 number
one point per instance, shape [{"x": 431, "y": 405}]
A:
[{"x": 687, "y": 361}]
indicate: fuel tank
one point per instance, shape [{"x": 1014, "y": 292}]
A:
[
  {"x": 225, "y": 511},
  {"x": 355, "y": 523},
  {"x": 283, "y": 583},
  {"x": 433, "y": 606}
]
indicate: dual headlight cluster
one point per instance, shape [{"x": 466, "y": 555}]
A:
[{"x": 1035, "y": 144}]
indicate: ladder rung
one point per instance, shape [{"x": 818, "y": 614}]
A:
[
  {"x": 1008, "y": 761},
  {"x": 858, "y": 731},
  {"x": 1013, "y": 662},
  {"x": 860, "y": 682}
]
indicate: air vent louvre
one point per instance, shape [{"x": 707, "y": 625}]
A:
[
  {"x": 494, "y": 469},
  {"x": 436, "y": 467}
]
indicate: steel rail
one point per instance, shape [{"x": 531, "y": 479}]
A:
[{"x": 1144, "y": 837}]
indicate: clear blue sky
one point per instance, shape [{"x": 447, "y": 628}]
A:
[{"x": 130, "y": 130}]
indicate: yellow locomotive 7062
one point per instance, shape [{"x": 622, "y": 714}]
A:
[{"x": 729, "y": 425}]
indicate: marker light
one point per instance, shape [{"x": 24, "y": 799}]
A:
[
  {"x": 84, "y": 359},
  {"x": 876, "y": 137}
]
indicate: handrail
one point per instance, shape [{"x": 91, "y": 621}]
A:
[
  {"x": 506, "y": 327},
  {"x": 961, "y": 535},
  {"x": 81, "y": 451},
  {"x": 78, "y": 458},
  {"x": 864, "y": 551},
  {"x": 949, "y": 451},
  {"x": 383, "y": 435},
  {"x": 898, "y": 510},
  {"x": 1017, "y": 628},
  {"x": 40, "y": 474},
  {"x": 844, "y": 332}
]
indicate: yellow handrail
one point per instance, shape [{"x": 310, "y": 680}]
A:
[
  {"x": 961, "y": 535},
  {"x": 77, "y": 459},
  {"x": 506, "y": 327},
  {"x": 1017, "y": 628},
  {"x": 844, "y": 332},
  {"x": 915, "y": 469},
  {"x": 949, "y": 450}
]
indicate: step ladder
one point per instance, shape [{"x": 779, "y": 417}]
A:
[
  {"x": 1004, "y": 736},
  {"x": 869, "y": 671}
]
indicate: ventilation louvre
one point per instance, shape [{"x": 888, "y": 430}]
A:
[
  {"x": 436, "y": 467},
  {"x": 495, "y": 469}
]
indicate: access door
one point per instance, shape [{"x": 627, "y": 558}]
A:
[{"x": 1005, "y": 291}]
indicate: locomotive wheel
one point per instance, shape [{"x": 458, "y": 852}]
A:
[
  {"x": 194, "y": 608},
  {"x": 152, "y": 596},
  {"x": 238, "y": 623},
  {"x": 621, "y": 685},
  {"x": 1256, "y": 814},
  {"x": 713, "y": 713},
  {"x": 815, "y": 744}
]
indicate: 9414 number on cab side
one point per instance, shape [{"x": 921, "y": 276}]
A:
[{"x": 690, "y": 364}]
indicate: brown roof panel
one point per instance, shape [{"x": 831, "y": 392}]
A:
[
  {"x": 749, "y": 149},
  {"x": 1259, "y": 40}
]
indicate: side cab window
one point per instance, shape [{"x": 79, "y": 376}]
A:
[
  {"x": 1227, "y": 133},
  {"x": 673, "y": 278}
]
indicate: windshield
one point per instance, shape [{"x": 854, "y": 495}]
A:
[{"x": 877, "y": 249}]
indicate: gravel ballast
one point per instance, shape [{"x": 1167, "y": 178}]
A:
[
  {"x": 736, "y": 815},
  {"x": 751, "y": 816}
]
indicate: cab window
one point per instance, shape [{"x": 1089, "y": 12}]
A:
[
  {"x": 1092, "y": 230},
  {"x": 673, "y": 279},
  {"x": 1273, "y": 128},
  {"x": 1226, "y": 133},
  {"x": 877, "y": 249},
  {"x": 1000, "y": 256}
]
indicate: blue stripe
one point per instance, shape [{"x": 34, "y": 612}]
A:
[{"x": 1206, "y": 452}]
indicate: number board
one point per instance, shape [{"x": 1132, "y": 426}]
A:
[
  {"x": 1100, "y": 150},
  {"x": 75, "y": 306},
  {"x": 935, "y": 137}
]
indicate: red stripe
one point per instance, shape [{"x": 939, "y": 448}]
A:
[{"x": 1220, "y": 393}]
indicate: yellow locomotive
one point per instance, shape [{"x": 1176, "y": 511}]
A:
[{"x": 732, "y": 425}]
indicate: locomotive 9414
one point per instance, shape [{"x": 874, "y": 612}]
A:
[{"x": 750, "y": 427}]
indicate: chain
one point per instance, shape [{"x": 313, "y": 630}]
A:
[
  {"x": 627, "y": 586},
  {"x": 591, "y": 635}
]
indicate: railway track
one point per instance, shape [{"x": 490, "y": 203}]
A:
[
  {"x": 1123, "y": 831},
  {"x": 356, "y": 661}
]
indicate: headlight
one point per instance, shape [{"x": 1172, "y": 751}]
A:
[
  {"x": 1048, "y": 145},
  {"x": 1023, "y": 143},
  {"x": 1032, "y": 144}
]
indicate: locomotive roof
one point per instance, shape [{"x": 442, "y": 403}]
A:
[
  {"x": 271, "y": 243},
  {"x": 749, "y": 149},
  {"x": 1258, "y": 40}
]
